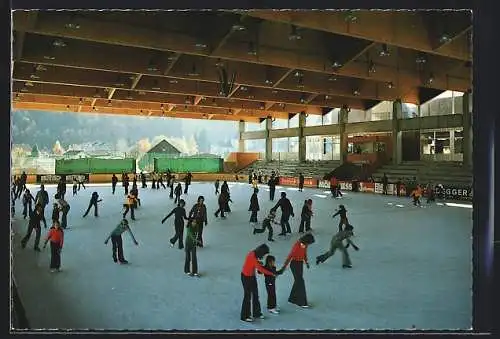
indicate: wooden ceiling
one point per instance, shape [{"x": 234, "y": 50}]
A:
[{"x": 164, "y": 63}]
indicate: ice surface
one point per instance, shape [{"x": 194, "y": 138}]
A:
[{"x": 413, "y": 269}]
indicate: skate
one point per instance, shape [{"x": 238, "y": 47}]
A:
[
  {"x": 248, "y": 320},
  {"x": 346, "y": 266},
  {"x": 123, "y": 262},
  {"x": 274, "y": 311}
]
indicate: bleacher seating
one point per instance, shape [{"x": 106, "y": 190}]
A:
[
  {"x": 445, "y": 172},
  {"x": 293, "y": 168}
]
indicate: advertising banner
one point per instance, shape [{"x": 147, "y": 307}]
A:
[
  {"x": 367, "y": 187},
  {"x": 289, "y": 181},
  {"x": 54, "y": 178},
  {"x": 345, "y": 186},
  {"x": 324, "y": 184},
  {"x": 457, "y": 192},
  {"x": 379, "y": 188},
  {"x": 310, "y": 182}
]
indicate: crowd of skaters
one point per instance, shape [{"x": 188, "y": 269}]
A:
[{"x": 192, "y": 224}]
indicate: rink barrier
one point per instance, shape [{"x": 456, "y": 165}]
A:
[
  {"x": 293, "y": 181},
  {"x": 104, "y": 178}
]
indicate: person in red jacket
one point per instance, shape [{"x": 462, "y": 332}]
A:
[
  {"x": 56, "y": 237},
  {"x": 296, "y": 259},
  {"x": 249, "y": 282}
]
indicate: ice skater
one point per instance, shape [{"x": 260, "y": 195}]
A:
[
  {"x": 337, "y": 242},
  {"x": 93, "y": 202},
  {"x": 301, "y": 182},
  {"x": 34, "y": 223},
  {"x": 187, "y": 182},
  {"x": 342, "y": 212},
  {"x": 180, "y": 215},
  {"x": 75, "y": 187},
  {"x": 114, "y": 181},
  {"x": 305, "y": 216},
  {"x": 222, "y": 201},
  {"x": 42, "y": 199},
  {"x": 192, "y": 241},
  {"x": 116, "y": 240},
  {"x": 272, "y": 186},
  {"x": 199, "y": 214},
  {"x": 270, "y": 280},
  {"x": 286, "y": 212},
  {"x": 129, "y": 205},
  {"x": 217, "y": 184},
  {"x": 55, "y": 211},
  {"x": 249, "y": 282},
  {"x": 27, "y": 200},
  {"x": 416, "y": 194},
  {"x": 177, "y": 193},
  {"x": 64, "y": 207},
  {"x": 56, "y": 238},
  {"x": 296, "y": 259},
  {"x": 266, "y": 224},
  {"x": 171, "y": 195},
  {"x": 254, "y": 206}
]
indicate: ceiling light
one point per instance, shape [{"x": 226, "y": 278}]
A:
[
  {"x": 356, "y": 92},
  {"x": 156, "y": 86},
  {"x": 194, "y": 71},
  {"x": 390, "y": 84},
  {"x": 302, "y": 98},
  {"x": 268, "y": 82},
  {"x": 200, "y": 45},
  {"x": 40, "y": 68},
  {"x": 350, "y": 17},
  {"x": 444, "y": 38},
  {"x": 282, "y": 105},
  {"x": 384, "y": 51},
  {"x": 300, "y": 83},
  {"x": 24, "y": 90},
  {"x": 298, "y": 74},
  {"x": 219, "y": 63},
  {"x": 251, "y": 49},
  {"x": 109, "y": 102},
  {"x": 251, "y": 96},
  {"x": 72, "y": 25},
  {"x": 28, "y": 84},
  {"x": 81, "y": 101},
  {"x": 332, "y": 78},
  {"x": 336, "y": 64},
  {"x": 142, "y": 93},
  {"x": 294, "y": 34},
  {"x": 238, "y": 27},
  {"x": 94, "y": 108},
  {"x": 152, "y": 68},
  {"x": 49, "y": 57},
  {"x": 173, "y": 81},
  {"x": 243, "y": 89},
  {"x": 430, "y": 80},
  {"x": 274, "y": 91},
  {"x": 327, "y": 97},
  {"x": 421, "y": 59},
  {"x": 17, "y": 96},
  {"x": 371, "y": 67},
  {"x": 187, "y": 100},
  {"x": 59, "y": 43},
  {"x": 262, "y": 105}
]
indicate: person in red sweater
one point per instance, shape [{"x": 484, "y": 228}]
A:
[
  {"x": 249, "y": 282},
  {"x": 56, "y": 237},
  {"x": 296, "y": 259}
]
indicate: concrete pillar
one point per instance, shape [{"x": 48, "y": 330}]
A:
[
  {"x": 269, "y": 141},
  {"x": 288, "y": 139},
  {"x": 452, "y": 141},
  {"x": 241, "y": 141},
  {"x": 302, "y": 138},
  {"x": 467, "y": 125},
  {"x": 397, "y": 135},
  {"x": 343, "y": 116}
]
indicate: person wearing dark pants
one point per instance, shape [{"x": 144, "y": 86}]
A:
[
  {"x": 188, "y": 178},
  {"x": 270, "y": 265},
  {"x": 75, "y": 187},
  {"x": 64, "y": 207},
  {"x": 81, "y": 182},
  {"x": 114, "y": 181},
  {"x": 126, "y": 182},
  {"x": 286, "y": 212},
  {"x": 160, "y": 181},
  {"x": 42, "y": 199},
  {"x": 301, "y": 182},
  {"x": 385, "y": 182},
  {"x": 56, "y": 237},
  {"x": 266, "y": 224},
  {"x": 116, "y": 240},
  {"x": 27, "y": 200},
  {"x": 129, "y": 205},
  {"x": 272, "y": 187},
  {"x": 93, "y": 202},
  {"x": 217, "y": 185},
  {"x": 143, "y": 180},
  {"x": 296, "y": 259},
  {"x": 305, "y": 216},
  {"x": 61, "y": 187},
  {"x": 171, "y": 195},
  {"x": 192, "y": 241},
  {"x": 337, "y": 242},
  {"x": 254, "y": 206},
  {"x": 180, "y": 215},
  {"x": 222, "y": 201},
  {"x": 34, "y": 224},
  {"x": 249, "y": 282},
  {"x": 199, "y": 214},
  {"x": 342, "y": 212},
  {"x": 177, "y": 193}
]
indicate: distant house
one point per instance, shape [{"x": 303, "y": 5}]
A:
[
  {"x": 74, "y": 154},
  {"x": 164, "y": 147}
]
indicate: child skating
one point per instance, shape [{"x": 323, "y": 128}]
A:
[
  {"x": 342, "y": 212},
  {"x": 266, "y": 224},
  {"x": 305, "y": 216},
  {"x": 270, "y": 265},
  {"x": 116, "y": 240},
  {"x": 56, "y": 237},
  {"x": 180, "y": 216},
  {"x": 337, "y": 242}
]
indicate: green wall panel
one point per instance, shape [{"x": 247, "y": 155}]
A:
[
  {"x": 180, "y": 165},
  {"x": 95, "y": 166}
]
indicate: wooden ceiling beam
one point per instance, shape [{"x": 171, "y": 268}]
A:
[
  {"x": 135, "y": 82},
  {"x": 283, "y": 77},
  {"x": 126, "y": 35},
  {"x": 172, "y": 63},
  {"x": 399, "y": 28}
]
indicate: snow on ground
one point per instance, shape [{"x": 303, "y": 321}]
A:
[{"x": 413, "y": 267}]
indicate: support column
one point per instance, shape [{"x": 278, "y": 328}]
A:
[
  {"x": 269, "y": 141},
  {"x": 397, "y": 135},
  {"x": 467, "y": 132},
  {"x": 302, "y": 138},
  {"x": 343, "y": 115},
  {"x": 288, "y": 139},
  {"x": 452, "y": 142},
  {"x": 241, "y": 141}
]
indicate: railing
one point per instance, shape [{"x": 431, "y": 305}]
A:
[{"x": 459, "y": 157}]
